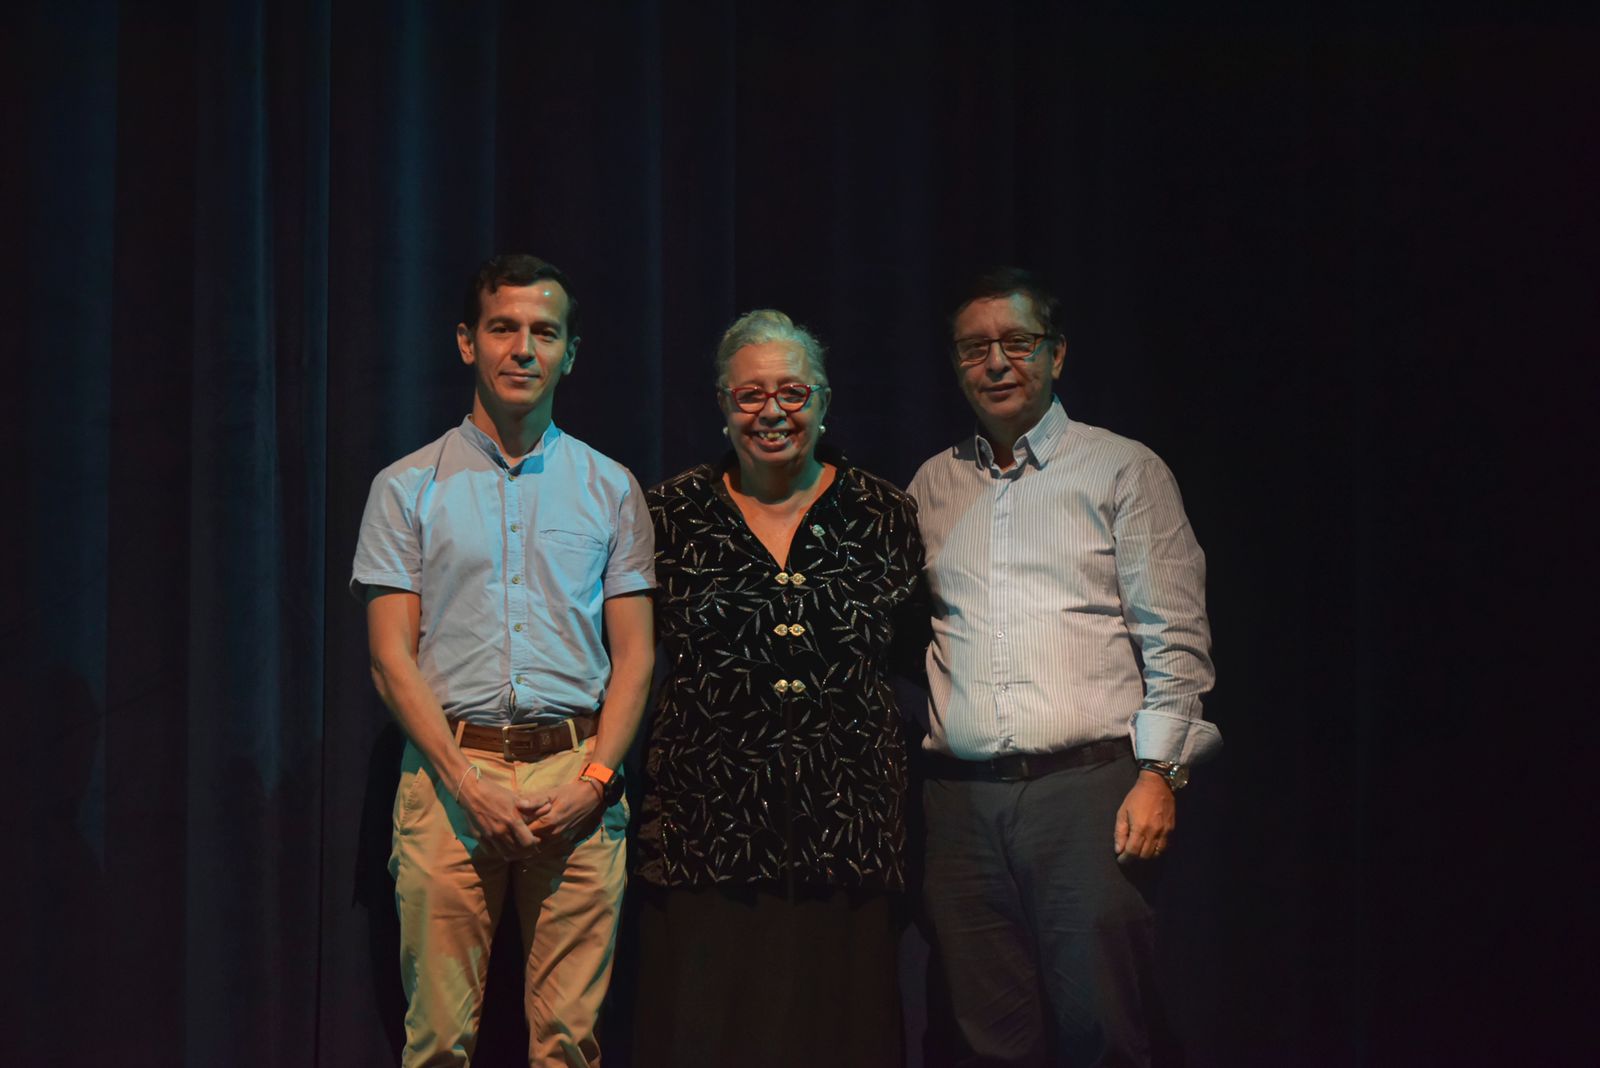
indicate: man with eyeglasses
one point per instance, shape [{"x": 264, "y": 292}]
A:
[
  {"x": 498, "y": 564},
  {"x": 1069, "y": 659}
]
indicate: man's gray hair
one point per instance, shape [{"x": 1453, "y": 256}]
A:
[{"x": 766, "y": 325}]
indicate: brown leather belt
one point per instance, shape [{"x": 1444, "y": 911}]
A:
[
  {"x": 527, "y": 742},
  {"x": 1020, "y": 767}
]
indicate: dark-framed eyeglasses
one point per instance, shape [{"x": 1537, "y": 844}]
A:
[
  {"x": 791, "y": 396},
  {"x": 1019, "y": 347}
]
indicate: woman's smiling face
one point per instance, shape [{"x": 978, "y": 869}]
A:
[{"x": 771, "y": 435}]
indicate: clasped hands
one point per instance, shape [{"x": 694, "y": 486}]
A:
[{"x": 511, "y": 825}]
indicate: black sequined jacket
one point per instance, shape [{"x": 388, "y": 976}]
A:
[{"x": 776, "y": 753}]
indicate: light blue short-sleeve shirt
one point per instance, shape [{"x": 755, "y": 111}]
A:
[{"x": 513, "y": 566}]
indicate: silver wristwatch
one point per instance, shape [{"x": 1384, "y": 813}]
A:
[{"x": 1177, "y": 775}]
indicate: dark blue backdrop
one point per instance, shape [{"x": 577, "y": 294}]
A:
[{"x": 1335, "y": 265}]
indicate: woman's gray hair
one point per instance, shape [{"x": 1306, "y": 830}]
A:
[{"x": 766, "y": 325}]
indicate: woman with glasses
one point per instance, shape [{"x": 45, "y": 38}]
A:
[{"x": 772, "y": 838}]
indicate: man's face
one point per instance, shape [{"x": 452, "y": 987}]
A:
[
  {"x": 1009, "y": 396},
  {"x": 519, "y": 347}
]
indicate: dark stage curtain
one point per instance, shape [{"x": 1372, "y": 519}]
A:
[{"x": 1334, "y": 265}]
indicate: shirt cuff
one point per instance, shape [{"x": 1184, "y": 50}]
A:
[
  {"x": 618, "y": 585},
  {"x": 395, "y": 579},
  {"x": 1175, "y": 739}
]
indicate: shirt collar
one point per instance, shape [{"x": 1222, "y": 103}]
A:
[
  {"x": 1037, "y": 444},
  {"x": 485, "y": 444}
]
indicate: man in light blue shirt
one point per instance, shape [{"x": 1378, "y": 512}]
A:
[
  {"x": 497, "y": 563},
  {"x": 1069, "y": 658}
]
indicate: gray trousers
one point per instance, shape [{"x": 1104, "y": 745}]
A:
[{"x": 1044, "y": 946}]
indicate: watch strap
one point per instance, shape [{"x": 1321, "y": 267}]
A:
[
  {"x": 598, "y": 772},
  {"x": 608, "y": 779},
  {"x": 1177, "y": 775}
]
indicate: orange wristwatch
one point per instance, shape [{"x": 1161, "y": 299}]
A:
[{"x": 609, "y": 781}]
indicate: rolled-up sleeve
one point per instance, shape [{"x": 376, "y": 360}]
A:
[
  {"x": 388, "y": 549},
  {"x": 632, "y": 566}
]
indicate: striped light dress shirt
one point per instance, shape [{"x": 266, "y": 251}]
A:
[{"x": 1068, "y": 598}]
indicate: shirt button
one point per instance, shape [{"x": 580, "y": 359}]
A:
[
  {"x": 522, "y": 680},
  {"x": 782, "y": 686},
  {"x": 999, "y": 634},
  {"x": 516, "y": 580},
  {"x": 515, "y": 527},
  {"x": 783, "y": 578},
  {"x": 518, "y": 629},
  {"x": 511, "y": 478},
  {"x": 798, "y": 579}
]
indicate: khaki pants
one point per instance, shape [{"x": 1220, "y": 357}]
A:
[{"x": 450, "y": 900}]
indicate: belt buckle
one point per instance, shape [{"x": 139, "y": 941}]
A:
[
  {"x": 1012, "y": 768},
  {"x": 507, "y": 750},
  {"x": 535, "y": 732}
]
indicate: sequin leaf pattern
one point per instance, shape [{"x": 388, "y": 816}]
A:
[{"x": 776, "y": 750}]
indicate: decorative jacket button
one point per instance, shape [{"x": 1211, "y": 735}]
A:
[
  {"x": 781, "y": 629},
  {"x": 795, "y": 630},
  {"x": 798, "y": 579},
  {"x": 797, "y": 686},
  {"x": 783, "y": 578},
  {"x": 782, "y": 686},
  {"x": 816, "y": 530}
]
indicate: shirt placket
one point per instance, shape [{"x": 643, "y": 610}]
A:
[
  {"x": 518, "y": 617},
  {"x": 1000, "y": 560}
]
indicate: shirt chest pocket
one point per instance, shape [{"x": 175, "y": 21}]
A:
[{"x": 571, "y": 562}]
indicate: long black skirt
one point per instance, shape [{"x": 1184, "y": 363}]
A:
[{"x": 745, "y": 976}]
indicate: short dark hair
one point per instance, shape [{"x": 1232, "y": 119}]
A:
[
  {"x": 1004, "y": 281},
  {"x": 514, "y": 269}
]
